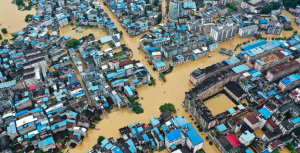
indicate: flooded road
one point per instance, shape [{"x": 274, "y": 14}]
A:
[
  {"x": 171, "y": 91},
  {"x": 11, "y": 18}
]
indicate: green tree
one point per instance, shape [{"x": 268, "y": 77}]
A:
[
  {"x": 155, "y": 2},
  {"x": 210, "y": 143},
  {"x": 104, "y": 3},
  {"x": 275, "y": 151},
  {"x": 159, "y": 18},
  {"x": 19, "y": 2},
  {"x": 0, "y": 37},
  {"x": 153, "y": 81},
  {"x": 4, "y": 30},
  {"x": 162, "y": 77},
  {"x": 97, "y": 117},
  {"x": 167, "y": 106},
  {"x": 206, "y": 137},
  {"x": 121, "y": 33},
  {"x": 269, "y": 7},
  {"x": 73, "y": 43},
  {"x": 294, "y": 151},
  {"x": 290, "y": 146},
  {"x": 28, "y": 17},
  {"x": 100, "y": 139},
  {"x": 230, "y": 10}
]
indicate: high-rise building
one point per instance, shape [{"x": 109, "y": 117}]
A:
[
  {"x": 224, "y": 31},
  {"x": 174, "y": 9}
]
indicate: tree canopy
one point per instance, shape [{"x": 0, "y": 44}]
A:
[
  {"x": 159, "y": 19},
  {"x": 100, "y": 139},
  {"x": 4, "y": 30},
  {"x": 155, "y": 2},
  {"x": 232, "y": 6},
  {"x": 19, "y": 2},
  {"x": 73, "y": 43},
  {"x": 28, "y": 17},
  {"x": 290, "y": 3},
  {"x": 269, "y": 7},
  {"x": 167, "y": 106}
]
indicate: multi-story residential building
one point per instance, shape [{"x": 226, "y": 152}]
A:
[
  {"x": 24, "y": 103},
  {"x": 283, "y": 70},
  {"x": 199, "y": 75},
  {"x": 289, "y": 82},
  {"x": 158, "y": 138},
  {"x": 47, "y": 144},
  {"x": 76, "y": 60},
  {"x": 26, "y": 125},
  {"x": 266, "y": 48},
  {"x": 33, "y": 78},
  {"x": 274, "y": 28},
  {"x": 223, "y": 32},
  {"x": 270, "y": 61},
  {"x": 174, "y": 138},
  {"x": 174, "y": 9},
  {"x": 222, "y": 10},
  {"x": 247, "y": 138},
  {"x": 248, "y": 31}
]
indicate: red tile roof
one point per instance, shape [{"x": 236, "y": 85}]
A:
[
  {"x": 237, "y": 120},
  {"x": 123, "y": 63},
  {"x": 256, "y": 113},
  {"x": 275, "y": 144},
  {"x": 271, "y": 122},
  {"x": 252, "y": 119},
  {"x": 233, "y": 140},
  {"x": 69, "y": 125}
]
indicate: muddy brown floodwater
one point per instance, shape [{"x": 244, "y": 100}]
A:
[
  {"x": 11, "y": 18},
  {"x": 171, "y": 91},
  {"x": 219, "y": 104}
]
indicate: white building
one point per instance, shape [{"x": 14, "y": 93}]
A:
[
  {"x": 247, "y": 138},
  {"x": 223, "y": 32},
  {"x": 248, "y": 31}
]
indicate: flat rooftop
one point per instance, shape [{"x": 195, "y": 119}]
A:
[{"x": 219, "y": 104}]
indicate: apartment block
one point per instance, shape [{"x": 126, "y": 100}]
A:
[
  {"x": 283, "y": 70},
  {"x": 270, "y": 61}
]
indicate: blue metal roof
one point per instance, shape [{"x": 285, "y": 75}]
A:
[
  {"x": 265, "y": 112},
  {"x": 240, "y": 68},
  {"x": 180, "y": 120},
  {"x": 193, "y": 134},
  {"x": 46, "y": 142},
  {"x": 154, "y": 121},
  {"x": 174, "y": 135},
  {"x": 221, "y": 127}
]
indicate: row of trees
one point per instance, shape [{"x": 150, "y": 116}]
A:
[
  {"x": 288, "y": 28},
  {"x": 269, "y": 7},
  {"x": 290, "y": 4},
  {"x": 232, "y": 6}
]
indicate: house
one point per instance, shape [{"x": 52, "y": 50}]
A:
[
  {"x": 193, "y": 140},
  {"x": 158, "y": 138},
  {"x": 248, "y": 31},
  {"x": 47, "y": 144},
  {"x": 252, "y": 121},
  {"x": 173, "y": 139},
  {"x": 274, "y": 28},
  {"x": 247, "y": 138}
]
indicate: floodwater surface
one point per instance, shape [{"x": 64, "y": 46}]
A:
[
  {"x": 219, "y": 104},
  {"x": 151, "y": 97},
  {"x": 11, "y": 18}
]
